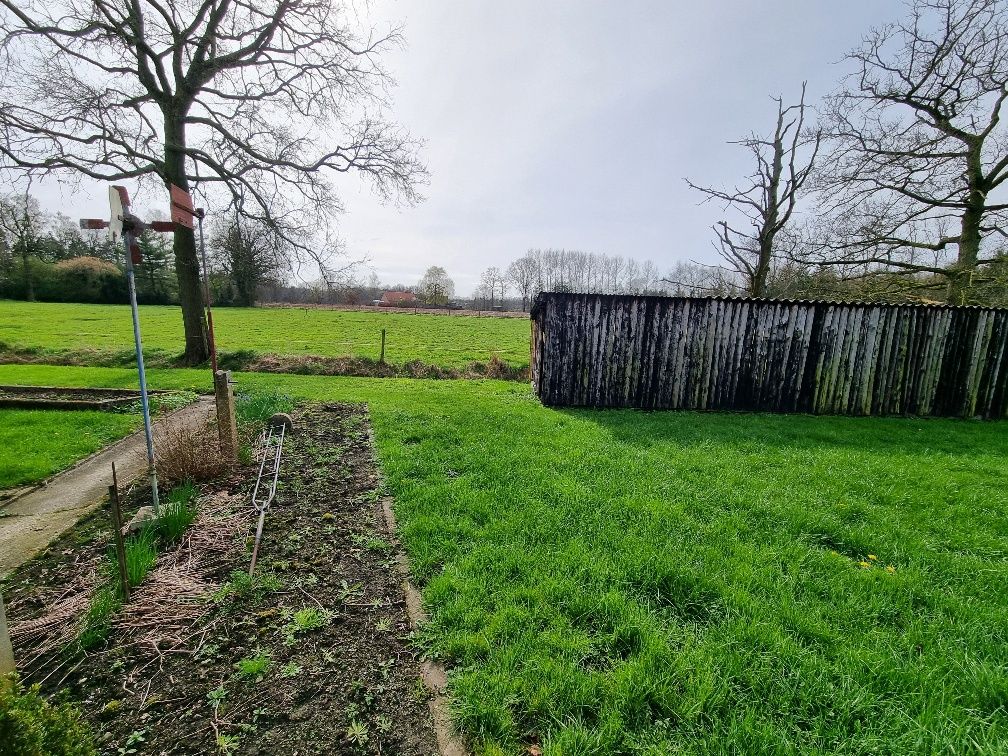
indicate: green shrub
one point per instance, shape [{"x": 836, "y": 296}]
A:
[
  {"x": 260, "y": 406},
  {"x": 31, "y": 726},
  {"x": 88, "y": 279}
]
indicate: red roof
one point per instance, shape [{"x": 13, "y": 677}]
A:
[{"x": 396, "y": 298}]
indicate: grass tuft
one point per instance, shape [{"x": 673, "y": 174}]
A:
[
  {"x": 259, "y": 406},
  {"x": 96, "y": 622},
  {"x": 177, "y": 513},
  {"x": 141, "y": 553}
]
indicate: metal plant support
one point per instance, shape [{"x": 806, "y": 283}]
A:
[{"x": 272, "y": 450}]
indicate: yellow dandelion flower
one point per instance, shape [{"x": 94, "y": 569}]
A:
[
  {"x": 864, "y": 565},
  {"x": 890, "y": 569},
  {"x": 872, "y": 557}
]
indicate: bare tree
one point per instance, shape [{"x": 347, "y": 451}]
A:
[
  {"x": 768, "y": 197},
  {"x": 523, "y": 274},
  {"x": 492, "y": 282},
  {"x": 22, "y": 223},
  {"x": 256, "y": 105},
  {"x": 693, "y": 279},
  {"x": 914, "y": 178}
]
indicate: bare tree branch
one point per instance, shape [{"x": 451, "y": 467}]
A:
[
  {"x": 917, "y": 149},
  {"x": 767, "y": 199},
  {"x": 255, "y": 107}
]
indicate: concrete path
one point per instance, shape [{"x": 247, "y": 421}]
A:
[{"x": 33, "y": 521}]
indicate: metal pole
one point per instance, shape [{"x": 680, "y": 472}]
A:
[
  {"x": 131, "y": 284},
  {"x": 206, "y": 296}
]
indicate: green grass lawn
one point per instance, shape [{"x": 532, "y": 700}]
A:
[
  {"x": 35, "y": 444},
  {"x": 621, "y": 582},
  {"x": 442, "y": 340}
]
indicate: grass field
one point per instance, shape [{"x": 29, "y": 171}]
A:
[
  {"x": 652, "y": 583},
  {"x": 35, "y": 444},
  {"x": 445, "y": 341}
]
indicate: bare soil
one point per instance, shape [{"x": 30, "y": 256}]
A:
[{"x": 167, "y": 681}]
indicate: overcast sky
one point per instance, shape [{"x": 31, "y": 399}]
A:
[{"x": 573, "y": 123}]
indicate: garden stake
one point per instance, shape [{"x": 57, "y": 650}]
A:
[
  {"x": 6, "y": 649},
  {"x": 274, "y": 442},
  {"x": 117, "y": 534},
  {"x": 381, "y": 360}
]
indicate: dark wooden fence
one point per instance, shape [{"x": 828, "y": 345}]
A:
[{"x": 596, "y": 350}]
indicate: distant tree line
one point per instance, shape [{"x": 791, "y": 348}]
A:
[{"x": 46, "y": 257}]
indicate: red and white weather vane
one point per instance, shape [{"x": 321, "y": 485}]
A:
[{"x": 123, "y": 224}]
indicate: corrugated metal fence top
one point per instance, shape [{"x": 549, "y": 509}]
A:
[
  {"x": 542, "y": 297},
  {"x": 658, "y": 352}
]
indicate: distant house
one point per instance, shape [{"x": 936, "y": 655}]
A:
[{"x": 398, "y": 299}]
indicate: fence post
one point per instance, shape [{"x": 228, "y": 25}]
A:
[
  {"x": 381, "y": 360},
  {"x": 227, "y": 429}
]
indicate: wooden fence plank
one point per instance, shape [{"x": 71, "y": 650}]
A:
[{"x": 783, "y": 356}]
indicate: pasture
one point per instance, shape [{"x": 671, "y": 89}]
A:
[
  {"x": 447, "y": 341},
  {"x": 35, "y": 444},
  {"x": 610, "y": 582}
]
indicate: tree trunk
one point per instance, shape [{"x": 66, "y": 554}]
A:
[
  {"x": 961, "y": 275},
  {"x": 762, "y": 269},
  {"x": 29, "y": 285},
  {"x": 770, "y": 213},
  {"x": 186, "y": 260}
]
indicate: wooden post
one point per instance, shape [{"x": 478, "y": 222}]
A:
[
  {"x": 117, "y": 534},
  {"x": 226, "y": 427},
  {"x": 381, "y": 360},
  {"x": 6, "y": 649}
]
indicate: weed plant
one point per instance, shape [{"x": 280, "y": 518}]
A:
[
  {"x": 254, "y": 667},
  {"x": 245, "y": 590}
]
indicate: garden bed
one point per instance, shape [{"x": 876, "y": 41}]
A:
[
  {"x": 310, "y": 656},
  {"x": 54, "y": 397}
]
